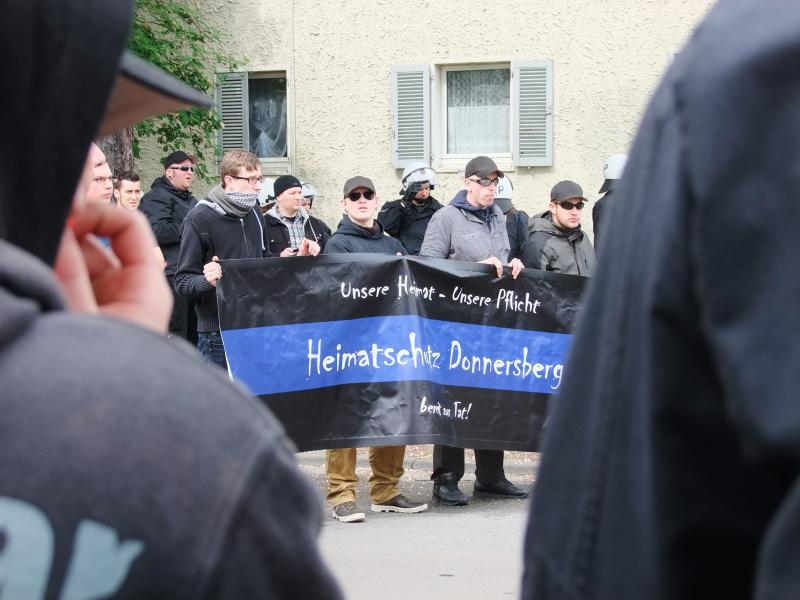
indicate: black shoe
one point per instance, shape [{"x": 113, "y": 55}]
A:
[
  {"x": 445, "y": 488},
  {"x": 500, "y": 488}
]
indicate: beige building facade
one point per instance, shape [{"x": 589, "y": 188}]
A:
[{"x": 550, "y": 88}]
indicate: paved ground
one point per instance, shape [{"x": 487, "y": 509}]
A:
[{"x": 472, "y": 552}]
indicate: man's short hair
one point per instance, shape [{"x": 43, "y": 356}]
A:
[
  {"x": 233, "y": 160},
  {"x": 125, "y": 176}
]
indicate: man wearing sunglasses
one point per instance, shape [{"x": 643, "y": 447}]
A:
[
  {"x": 557, "y": 242},
  {"x": 471, "y": 228},
  {"x": 166, "y": 205}
]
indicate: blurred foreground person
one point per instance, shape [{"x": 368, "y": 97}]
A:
[
  {"x": 671, "y": 461},
  {"x": 162, "y": 481}
]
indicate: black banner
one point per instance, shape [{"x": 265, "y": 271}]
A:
[{"x": 372, "y": 350}]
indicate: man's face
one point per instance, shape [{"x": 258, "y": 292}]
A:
[
  {"x": 424, "y": 193},
  {"x": 247, "y": 181},
  {"x": 567, "y": 215},
  {"x": 180, "y": 174},
  {"x": 290, "y": 201},
  {"x": 129, "y": 194},
  {"x": 480, "y": 195},
  {"x": 101, "y": 188},
  {"x": 359, "y": 207}
]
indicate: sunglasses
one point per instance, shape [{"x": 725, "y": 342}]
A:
[
  {"x": 571, "y": 205},
  {"x": 184, "y": 168},
  {"x": 356, "y": 196},
  {"x": 486, "y": 182}
]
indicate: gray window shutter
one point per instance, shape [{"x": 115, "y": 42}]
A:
[
  {"x": 532, "y": 113},
  {"x": 232, "y": 105},
  {"x": 411, "y": 114}
]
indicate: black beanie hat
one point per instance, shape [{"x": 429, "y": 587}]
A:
[{"x": 284, "y": 182}]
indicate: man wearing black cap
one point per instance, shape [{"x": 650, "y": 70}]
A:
[
  {"x": 557, "y": 242},
  {"x": 471, "y": 228},
  {"x": 157, "y": 481},
  {"x": 166, "y": 206},
  {"x": 288, "y": 223}
]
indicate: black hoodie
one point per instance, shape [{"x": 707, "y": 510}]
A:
[
  {"x": 349, "y": 238},
  {"x": 166, "y": 207},
  {"x": 128, "y": 469}
]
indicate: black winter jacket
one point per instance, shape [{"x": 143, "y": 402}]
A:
[
  {"x": 350, "y": 238},
  {"x": 277, "y": 233},
  {"x": 401, "y": 220},
  {"x": 601, "y": 208},
  {"x": 517, "y": 228},
  {"x": 206, "y": 234},
  {"x": 671, "y": 464},
  {"x": 166, "y": 207}
]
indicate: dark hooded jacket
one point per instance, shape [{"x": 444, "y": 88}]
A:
[
  {"x": 128, "y": 468},
  {"x": 277, "y": 233},
  {"x": 600, "y": 210},
  {"x": 349, "y": 238},
  {"x": 551, "y": 248},
  {"x": 403, "y": 220},
  {"x": 166, "y": 207},
  {"x": 671, "y": 464}
]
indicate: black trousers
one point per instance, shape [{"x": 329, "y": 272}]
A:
[{"x": 449, "y": 459}]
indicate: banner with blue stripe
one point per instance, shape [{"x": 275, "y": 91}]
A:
[{"x": 360, "y": 350}]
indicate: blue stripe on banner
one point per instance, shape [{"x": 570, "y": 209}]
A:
[{"x": 288, "y": 358}]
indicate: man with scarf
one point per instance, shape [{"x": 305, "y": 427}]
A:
[
  {"x": 471, "y": 228},
  {"x": 226, "y": 225}
]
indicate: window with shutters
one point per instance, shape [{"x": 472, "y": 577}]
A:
[
  {"x": 447, "y": 114},
  {"x": 254, "y": 110}
]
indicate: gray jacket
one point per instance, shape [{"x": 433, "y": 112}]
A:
[
  {"x": 552, "y": 249},
  {"x": 459, "y": 234}
]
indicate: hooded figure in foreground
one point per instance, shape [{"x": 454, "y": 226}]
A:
[
  {"x": 162, "y": 480},
  {"x": 671, "y": 465}
]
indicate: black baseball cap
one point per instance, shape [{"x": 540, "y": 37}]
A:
[
  {"x": 178, "y": 157},
  {"x": 566, "y": 190},
  {"x": 357, "y": 182},
  {"x": 143, "y": 90},
  {"x": 482, "y": 166}
]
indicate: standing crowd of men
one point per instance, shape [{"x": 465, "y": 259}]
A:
[{"x": 480, "y": 224}]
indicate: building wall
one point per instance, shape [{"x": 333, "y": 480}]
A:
[{"x": 607, "y": 55}]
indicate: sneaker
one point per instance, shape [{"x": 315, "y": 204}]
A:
[
  {"x": 445, "y": 488},
  {"x": 400, "y": 504},
  {"x": 501, "y": 488},
  {"x": 348, "y": 512}
]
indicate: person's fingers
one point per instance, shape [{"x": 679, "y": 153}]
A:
[
  {"x": 129, "y": 232},
  {"x": 73, "y": 276}
]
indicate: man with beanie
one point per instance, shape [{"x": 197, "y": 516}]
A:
[
  {"x": 288, "y": 223},
  {"x": 556, "y": 242},
  {"x": 471, "y": 228},
  {"x": 226, "y": 225},
  {"x": 166, "y": 206}
]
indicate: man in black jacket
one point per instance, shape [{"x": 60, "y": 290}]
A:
[
  {"x": 671, "y": 464},
  {"x": 288, "y": 223},
  {"x": 407, "y": 218},
  {"x": 227, "y": 224},
  {"x": 166, "y": 206}
]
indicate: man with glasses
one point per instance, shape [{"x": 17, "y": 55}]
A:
[
  {"x": 227, "y": 224},
  {"x": 556, "y": 242},
  {"x": 471, "y": 228},
  {"x": 166, "y": 205}
]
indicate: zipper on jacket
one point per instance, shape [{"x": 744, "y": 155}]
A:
[{"x": 244, "y": 236}]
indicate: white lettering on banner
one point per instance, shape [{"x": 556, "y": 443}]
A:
[
  {"x": 460, "y": 296},
  {"x": 411, "y": 289},
  {"x": 518, "y": 367},
  {"x": 509, "y": 300},
  {"x": 348, "y": 291},
  {"x": 457, "y": 411}
]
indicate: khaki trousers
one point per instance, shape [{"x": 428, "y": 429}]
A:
[{"x": 387, "y": 469}]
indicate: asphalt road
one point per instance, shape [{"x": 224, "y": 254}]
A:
[{"x": 472, "y": 552}]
